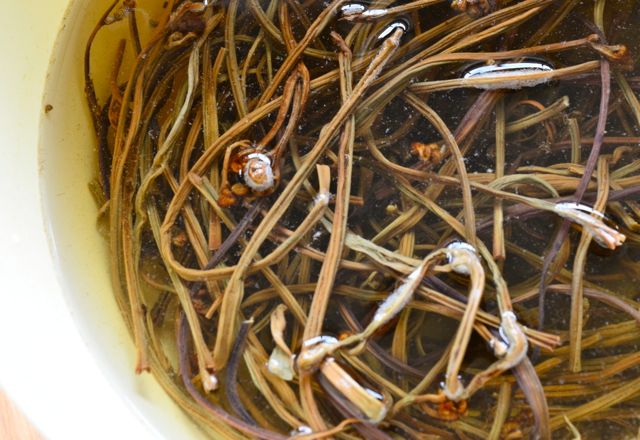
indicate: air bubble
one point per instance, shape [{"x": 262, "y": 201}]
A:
[
  {"x": 352, "y": 9},
  {"x": 389, "y": 29}
]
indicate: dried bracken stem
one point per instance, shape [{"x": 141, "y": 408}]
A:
[
  {"x": 371, "y": 408},
  {"x": 328, "y": 271},
  {"x": 232, "y": 300},
  {"x": 432, "y": 116},
  {"x": 502, "y": 411},
  {"x": 605, "y": 77},
  {"x": 329, "y": 268},
  {"x": 529, "y": 382},
  {"x": 303, "y": 191},
  {"x": 281, "y": 360},
  {"x": 498, "y": 214},
  {"x": 313, "y": 356},
  {"x": 312, "y": 32},
  {"x": 453, "y": 389},
  {"x": 377, "y": 14},
  {"x": 576, "y": 322}
]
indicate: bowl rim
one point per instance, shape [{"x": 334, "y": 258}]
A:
[{"x": 48, "y": 380}]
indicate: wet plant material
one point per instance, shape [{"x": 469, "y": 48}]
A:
[{"x": 411, "y": 219}]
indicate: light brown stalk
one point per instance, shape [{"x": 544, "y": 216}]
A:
[
  {"x": 211, "y": 128},
  {"x": 385, "y": 284},
  {"x": 544, "y": 114},
  {"x": 234, "y": 291},
  {"x": 390, "y": 12},
  {"x": 498, "y": 251},
  {"x": 327, "y": 274},
  {"x": 453, "y": 388},
  {"x": 502, "y": 411},
  {"x": 622, "y": 393},
  {"x": 516, "y": 81},
  {"x": 233, "y": 70},
  {"x": 577, "y": 295},
  {"x": 312, "y": 32},
  {"x": 329, "y": 268},
  {"x": 450, "y": 141}
]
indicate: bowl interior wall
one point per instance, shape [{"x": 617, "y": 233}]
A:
[{"x": 68, "y": 162}]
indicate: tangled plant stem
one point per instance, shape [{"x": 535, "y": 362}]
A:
[{"x": 365, "y": 282}]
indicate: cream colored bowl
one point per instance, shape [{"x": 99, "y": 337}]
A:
[{"x": 67, "y": 359}]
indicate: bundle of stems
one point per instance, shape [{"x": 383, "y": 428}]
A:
[{"x": 321, "y": 227}]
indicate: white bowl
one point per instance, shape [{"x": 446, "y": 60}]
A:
[{"x": 67, "y": 359}]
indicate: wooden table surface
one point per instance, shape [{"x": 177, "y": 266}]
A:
[{"x": 13, "y": 424}]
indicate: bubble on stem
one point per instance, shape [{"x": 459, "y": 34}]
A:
[
  {"x": 397, "y": 24},
  {"x": 458, "y": 268},
  {"x": 258, "y": 172}
]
